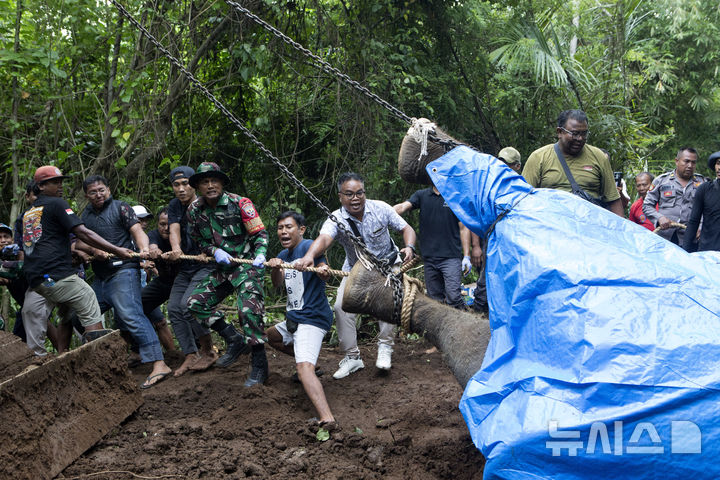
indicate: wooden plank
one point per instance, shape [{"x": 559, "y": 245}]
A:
[
  {"x": 14, "y": 355},
  {"x": 54, "y": 412}
]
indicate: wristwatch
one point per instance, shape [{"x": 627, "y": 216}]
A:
[{"x": 412, "y": 247}]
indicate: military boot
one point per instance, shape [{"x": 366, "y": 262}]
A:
[
  {"x": 234, "y": 346},
  {"x": 259, "y": 372}
]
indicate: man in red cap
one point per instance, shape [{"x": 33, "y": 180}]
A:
[{"x": 48, "y": 261}]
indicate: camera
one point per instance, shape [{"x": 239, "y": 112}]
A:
[{"x": 618, "y": 178}]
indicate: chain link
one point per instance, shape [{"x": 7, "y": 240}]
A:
[
  {"x": 383, "y": 265},
  {"x": 327, "y": 68}
]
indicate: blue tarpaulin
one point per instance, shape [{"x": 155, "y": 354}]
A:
[{"x": 604, "y": 360}]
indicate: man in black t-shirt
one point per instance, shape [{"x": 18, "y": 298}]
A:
[
  {"x": 444, "y": 243},
  {"x": 189, "y": 332},
  {"x": 157, "y": 290},
  {"x": 117, "y": 282},
  {"x": 48, "y": 261}
]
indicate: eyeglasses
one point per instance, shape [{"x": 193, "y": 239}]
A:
[
  {"x": 576, "y": 134},
  {"x": 96, "y": 192},
  {"x": 351, "y": 195}
]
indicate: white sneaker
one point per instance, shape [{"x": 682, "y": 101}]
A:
[
  {"x": 384, "y": 357},
  {"x": 347, "y": 366}
]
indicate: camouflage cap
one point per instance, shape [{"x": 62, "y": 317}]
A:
[
  {"x": 509, "y": 155},
  {"x": 208, "y": 169}
]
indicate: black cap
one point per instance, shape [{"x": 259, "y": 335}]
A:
[
  {"x": 5, "y": 227},
  {"x": 181, "y": 172},
  {"x": 712, "y": 159}
]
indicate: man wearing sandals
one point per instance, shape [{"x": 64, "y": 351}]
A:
[
  {"x": 117, "y": 281},
  {"x": 226, "y": 226},
  {"x": 308, "y": 316},
  {"x": 673, "y": 192}
]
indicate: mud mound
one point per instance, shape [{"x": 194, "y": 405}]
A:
[
  {"x": 207, "y": 425},
  {"x": 15, "y": 356},
  {"x": 54, "y": 412}
]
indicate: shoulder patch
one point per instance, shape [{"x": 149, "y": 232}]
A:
[
  {"x": 250, "y": 217},
  {"x": 249, "y": 210}
]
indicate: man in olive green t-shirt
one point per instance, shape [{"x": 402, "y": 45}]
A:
[{"x": 588, "y": 164}]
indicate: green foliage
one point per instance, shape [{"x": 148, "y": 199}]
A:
[{"x": 93, "y": 96}]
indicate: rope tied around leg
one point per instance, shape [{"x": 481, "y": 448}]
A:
[{"x": 411, "y": 286}]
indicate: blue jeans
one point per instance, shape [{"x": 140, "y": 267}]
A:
[
  {"x": 443, "y": 280},
  {"x": 121, "y": 291}
]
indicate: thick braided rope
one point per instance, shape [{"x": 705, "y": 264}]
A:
[
  {"x": 411, "y": 286},
  {"x": 206, "y": 259},
  {"x": 672, "y": 224}
]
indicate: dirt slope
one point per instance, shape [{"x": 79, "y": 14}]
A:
[{"x": 404, "y": 425}]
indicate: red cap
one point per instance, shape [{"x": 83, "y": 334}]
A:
[{"x": 47, "y": 172}]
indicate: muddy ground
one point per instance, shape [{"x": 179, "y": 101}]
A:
[{"x": 401, "y": 425}]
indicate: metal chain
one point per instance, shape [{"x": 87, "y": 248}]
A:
[
  {"x": 398, "y": 294},
  {"x": 323, "y": 65},
  {"x": 327, "y": 68},
  {"x": 382, "y": 265}
]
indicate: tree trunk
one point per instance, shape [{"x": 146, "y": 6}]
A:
[
  {"x": 159, "y": 128},
  {"x": 108, "y": 141},
  {"x": 15, "y": 154}
]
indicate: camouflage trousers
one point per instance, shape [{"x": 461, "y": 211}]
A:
[{"x": 247, "y": 281}]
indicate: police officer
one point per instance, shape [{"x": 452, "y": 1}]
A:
[
  {"x": 674, "y": 192},
  {"x": 225, "y": 225}
]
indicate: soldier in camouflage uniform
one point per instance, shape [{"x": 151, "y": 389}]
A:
[{"x": 226, "y": 225}]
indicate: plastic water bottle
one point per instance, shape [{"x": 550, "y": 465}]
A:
[{"x": 49, "y": 282}]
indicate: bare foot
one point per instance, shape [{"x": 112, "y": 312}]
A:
[
  {"x": 431, "y": 350},
  {"x": 205, "y": 361},
  {"x": 190, "y": 360}
]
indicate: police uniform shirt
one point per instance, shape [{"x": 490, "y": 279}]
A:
[{"x": 674, "y": 201}]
